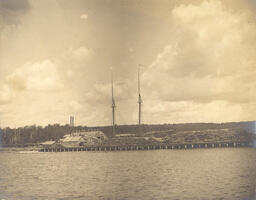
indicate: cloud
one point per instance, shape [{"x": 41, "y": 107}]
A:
[
  {"x": 75, "y": 106},
  {"x": 211, "y": 56},
  {"x": 11, "y": 10},
  {"x": 201, "y": 58},
  {"x": 10, "y": 13},
  {"x": 6, "y": 95},
  {"x": 44, "y": 87},
  {"x": 80, "y": 54},
  {"x": 84, "y": 16},
  {"x": 75, "y": 65},
  {"x": 101, "y": 93},
  {"x": 39, "y": 76},
  {"x": 187, "y": 111}
]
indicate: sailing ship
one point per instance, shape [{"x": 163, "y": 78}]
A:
[{"x": 113, "y": 106}]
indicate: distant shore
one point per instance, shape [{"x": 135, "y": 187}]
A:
[
  {"x": 13, "y": 149},
  {"x": 129, "y": 147},
  {"x": 129, "y": 136}
]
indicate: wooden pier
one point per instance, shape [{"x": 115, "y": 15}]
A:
[{"x": 148, "y": 147}]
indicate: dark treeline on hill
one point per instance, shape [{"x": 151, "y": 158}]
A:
[
  {"x": 122, "y": 129},
  {"x": 35, "y": 134}
]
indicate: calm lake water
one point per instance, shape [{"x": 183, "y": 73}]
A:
[{"x": 162, "y": 174}]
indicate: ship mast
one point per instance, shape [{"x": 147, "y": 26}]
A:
[
  {"x": 139, "y": 98},
  {"x": 113, "y": 104}
]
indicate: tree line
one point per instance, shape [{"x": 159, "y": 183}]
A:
[{"x": 35, "y": 134}]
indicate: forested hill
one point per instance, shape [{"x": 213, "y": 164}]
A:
[{"x": 34, "y": 134}]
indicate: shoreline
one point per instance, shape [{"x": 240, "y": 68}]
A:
[
  {"x": 130, "y": 147},
  {"x": 148, "y": 147},
  {"x": 17, "y": 149}
]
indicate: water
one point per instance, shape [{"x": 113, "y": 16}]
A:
[{"x": 162, "y": 174}]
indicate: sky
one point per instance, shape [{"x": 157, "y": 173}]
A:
[{"x": 198, "y": 61}]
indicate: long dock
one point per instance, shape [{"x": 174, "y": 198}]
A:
[{"x": 148, "y": 147}]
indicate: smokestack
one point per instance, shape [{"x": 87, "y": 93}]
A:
[{"x": 72, "y": 121}]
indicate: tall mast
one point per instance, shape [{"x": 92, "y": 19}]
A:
[
  {"x": 139, "y": 97},
  {"x": 113, "y": 104}
]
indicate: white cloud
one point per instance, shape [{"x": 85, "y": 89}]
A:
[
  {"x": 40, "y": 76},
  {"x": 131, "y": 49},
  {"x": 6, "y": 95},
  {"x": 187, "y": 111},
  {"x": 84, "y": 16},
  {"x": 101, "y": 93},
  {"x": 211, "y": 56},
  {"x": 75, "y": 106},
  {"x": 206, "y": 65},
  {"x": 80, "y": 53},
  {"x": 75, "y": 65}
]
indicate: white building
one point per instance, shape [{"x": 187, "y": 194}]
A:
[
  {"x": 47, "y": 143},
  {"x": 69, "y": 141},
  {"x": 82, "y": 138},
  {"x": 126, "y": 135},
  {"x": 94, "y": 134}
]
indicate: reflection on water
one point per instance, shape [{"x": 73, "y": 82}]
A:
[{"x": 163, "y": 174}]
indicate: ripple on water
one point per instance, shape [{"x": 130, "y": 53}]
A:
[{"x": 165, "y": 174}]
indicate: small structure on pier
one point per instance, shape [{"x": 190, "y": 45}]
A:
[
  {"x": 87, "y": 134},
  {"x": 125, "y": 135},
  {"x": 47, "y": 144}
]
